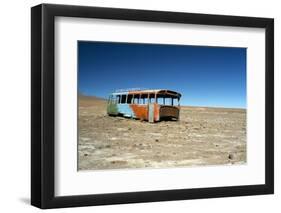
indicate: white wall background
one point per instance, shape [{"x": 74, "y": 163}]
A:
[{"x": 15, "y": 105}]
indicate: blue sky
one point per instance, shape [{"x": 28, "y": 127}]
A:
[{"x": 205, "y": 76}]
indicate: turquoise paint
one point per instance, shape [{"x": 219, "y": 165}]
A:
[{"x": 126, "y": 110}]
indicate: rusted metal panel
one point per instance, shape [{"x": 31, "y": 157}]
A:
[
  {"x": 169, "y": 112},
  {"x": 140, "y": 111}
]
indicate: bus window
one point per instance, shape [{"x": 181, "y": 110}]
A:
[
  {"x": 160, "y": 100},
  {"x": 176, "y": 102},
  {"x": 144, "y": 99},
  {"x": 151, "y": 100},
  {"x": 136, "y": 99},
  {"x": 118, "y": 99},
  {"x": 129, "y": 99},
  {"x": 141, "y": 100},
  {"x": 123, "y": 99},
  {"x": 168, "y": 101}
]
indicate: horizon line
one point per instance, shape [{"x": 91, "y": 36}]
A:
[{"x": 203, "y": 106}]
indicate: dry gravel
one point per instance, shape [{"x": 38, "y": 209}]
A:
[{"x": 203, "y": 136}]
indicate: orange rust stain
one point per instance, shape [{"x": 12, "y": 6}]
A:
[
  {"x": 134, "y": 92},
  {"x": 140, "y": 111}
]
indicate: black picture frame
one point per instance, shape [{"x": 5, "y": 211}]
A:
[{"x": 43, "y": 102}]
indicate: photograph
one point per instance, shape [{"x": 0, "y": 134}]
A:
[{"x": 146, "y": 106}]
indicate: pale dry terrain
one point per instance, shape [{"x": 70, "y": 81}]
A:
[{"x": 203, "y": 136}]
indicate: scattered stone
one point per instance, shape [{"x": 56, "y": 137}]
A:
[
  {"x": 156, "y": 140},
  {"x": 85, "y": 154},
  {"x": 129, "y": 128},
  {"x": 107, "y": 146},
  {"x": 113, "y": 138},
  {"x": 230, "y": 156}
]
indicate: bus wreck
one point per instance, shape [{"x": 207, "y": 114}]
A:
[{"x": 148, "y": 105}]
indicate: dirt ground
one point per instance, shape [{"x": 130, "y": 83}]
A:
[{"x": 203, "y": 136}]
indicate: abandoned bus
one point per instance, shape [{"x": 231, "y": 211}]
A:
[{"x": 149, "y": 105}]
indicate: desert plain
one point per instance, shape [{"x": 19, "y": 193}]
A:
[{"x": 202, "y": 137}]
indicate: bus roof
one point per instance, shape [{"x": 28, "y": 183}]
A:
[{"x": 147, "y": 91}]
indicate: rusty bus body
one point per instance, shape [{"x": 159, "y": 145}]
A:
[{"x": 149, "y": 105}]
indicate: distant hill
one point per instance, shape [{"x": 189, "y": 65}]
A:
[
  {"x": 87, "y": 101},
  {"x": 86, "y": 97}
]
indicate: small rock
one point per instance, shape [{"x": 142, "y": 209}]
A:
[
  {"x": 85, "y": 154},
  {"x": 230, "y": 156},
  {"x": 129, "y": 128},
  {"x": 156, "y": 140}
]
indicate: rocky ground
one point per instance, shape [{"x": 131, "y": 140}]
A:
[{"x": 203, "y": 136}]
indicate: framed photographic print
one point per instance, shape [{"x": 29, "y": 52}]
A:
[{"x": 139, "y": 106}]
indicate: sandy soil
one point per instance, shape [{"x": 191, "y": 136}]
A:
[{"x": 203, "y": 136}]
